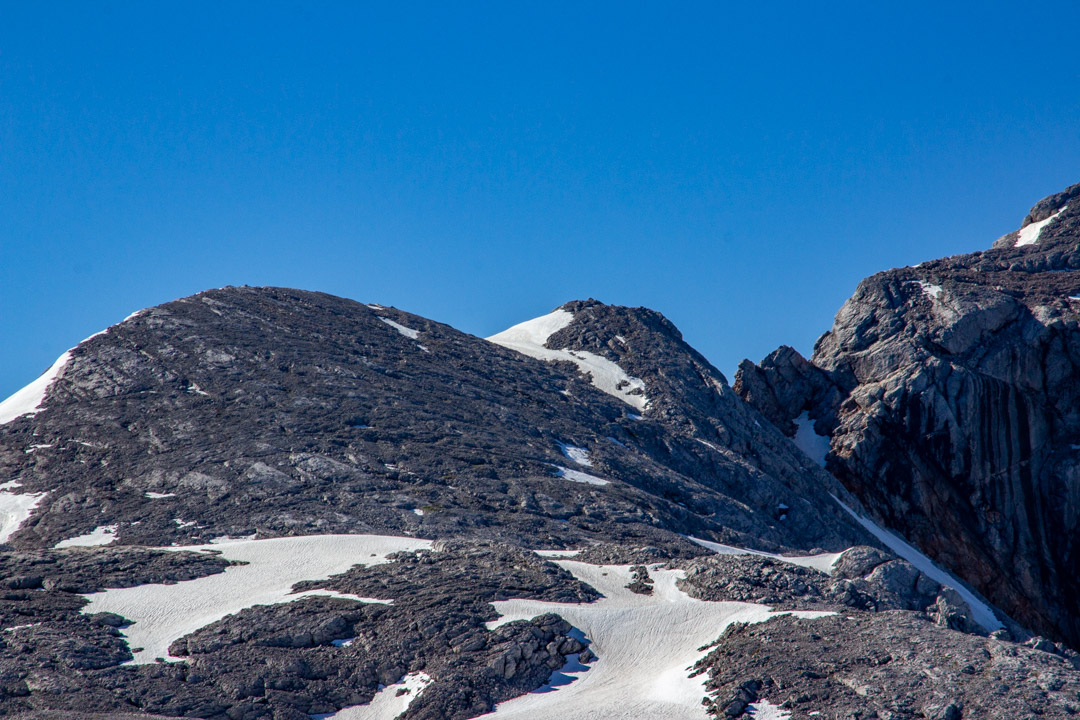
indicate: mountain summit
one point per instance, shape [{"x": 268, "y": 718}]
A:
[
  {"x": 950, "y": 394},
  {"x": 271, "y": 503}
]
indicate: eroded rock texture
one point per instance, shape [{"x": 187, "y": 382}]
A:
[{"x": 950, "y": 393}]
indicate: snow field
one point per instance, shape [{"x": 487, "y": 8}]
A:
[
  {"x": 102, "y": 535},
  {"x": 931, "y": 291},
  {"x": 164, "y": 613},
  {"x": 15, "y": 508},
  {"x": 823, "y": 562},
  {"x": 402, "y": 330},
  {"x": 577, "y": 454},
  {"x": 645, "y": 647},
  {"x": 579, "y": 477},
  {"x": 1029, "y": 235},
  {"x": 29, "y": 399},
  {"x": 529, "y": 338},
  {"x": 387, "y": 704},
  {"x": 806, "y": 439},
  {"x": 765, "y": 710},
  {"x": 981, "y": 612}
]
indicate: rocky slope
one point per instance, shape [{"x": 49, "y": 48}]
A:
[
  {"x": 950, "y": 397},
  {"x": 283, "y": 412},
  {"x": 261, "y": 502}
]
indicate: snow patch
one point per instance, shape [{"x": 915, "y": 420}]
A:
[
  {"x": 102, "y": 535},
  {"x": 1029, "y": 234},
  {"x": 557, "y": 553},
  {"x": 529, "y": 338},
  {"x": 194, "y": 389},
  {"x": 823, "y": 562},
  {"x": 402, "y": 330},
  {"x": 157, "y": 495},
  {"x": 15, "y": 508},
  {"x": 390, "y": 702},
  {"x": 579, "y": 477},
  {"x": 646, "y": 646},
  {"x": 931, "y": 291},
  {"x": 806, "y": 439},
  {"x": 577, "y": 454},
  {"x": 224, "y": 539},
  {"x": 980, "y": 611},
  {"x": 418, "y": 511},
  {"x": 29, "y": 400},
  {"x": 165, "y": 613},
  {"x": 765, "y": 710}
]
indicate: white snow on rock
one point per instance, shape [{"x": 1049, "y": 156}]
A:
[
  {"x": 981, "y": 612},
  {"x": 806, "y": 439},
  {"x": 157, "y": 495},
  {"x": 28, "y": 400},
  {"x": 164, "y": 613},
  {"x": 823, "y": 562},
  {"x": 557, "y": 553},
  {"x": 646, "y": 646},
  {"x": 1029, "y": 234},
  {"x": 402, "y": 330},
  {"x": 102, "y": 535},
  {"x": 15, "y": 508},
  {"x": 577, "y": 454},
  {"x": 390, "y": 702},
  {"x": 579, "y": 477},
  {"x": 529, "y": 338},
  {"x": 765, "y": 710},
  {"x": 931, "y": 291}
]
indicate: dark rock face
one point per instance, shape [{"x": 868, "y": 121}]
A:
[
  {"x": 950, "y": 394},
  {"x": 282, "y": 412},
  {"x": 885, "y": 665}
]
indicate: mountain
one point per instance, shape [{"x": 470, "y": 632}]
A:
[
  {"x": 272, "y": 503},
  {"x": 949, "y": 394}
]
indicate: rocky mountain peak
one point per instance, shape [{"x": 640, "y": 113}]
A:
[
  {"x": 1054, "y": 217},
  {"x": 948, "y": 392},
  {"x": 273, "y": 503}
]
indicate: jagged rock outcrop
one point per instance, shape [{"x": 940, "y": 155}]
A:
[{"x": 950, "y": 393}]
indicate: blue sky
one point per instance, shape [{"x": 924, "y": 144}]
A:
[{"x": 738, "y": 168}]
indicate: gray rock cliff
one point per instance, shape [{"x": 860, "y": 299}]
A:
[{"x": 950, "y": 393}]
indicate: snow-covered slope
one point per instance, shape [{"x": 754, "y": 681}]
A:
[
  {"x": 530, "y": 338},
  {"x": 164, "y": 613},
  {"x": 646, "y": 646}
]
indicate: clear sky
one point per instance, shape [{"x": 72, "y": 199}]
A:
[{"x": 737, "y": 166}]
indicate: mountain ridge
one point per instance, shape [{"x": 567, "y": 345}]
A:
[{"x": 274, "y": 503}]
